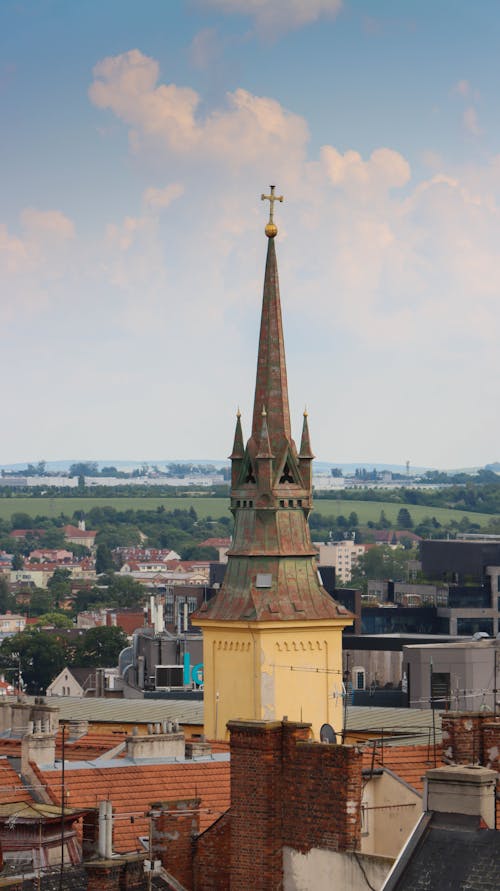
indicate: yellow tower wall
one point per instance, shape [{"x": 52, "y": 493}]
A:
[{"x": 268, "y": 670}]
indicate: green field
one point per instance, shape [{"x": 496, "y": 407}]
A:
[{"x": 218, "y": 507}]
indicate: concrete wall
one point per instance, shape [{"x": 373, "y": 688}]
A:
[
  {"x": 471, "y": 666},
  {"x": 390, "y": 810},
  {"x": 381, "y": 666},
  {"x": 326, "y": 870}
]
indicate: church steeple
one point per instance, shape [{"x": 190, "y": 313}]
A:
[
  {"x": 271, "y": 616},
  {"x": 271, "y": 386}
]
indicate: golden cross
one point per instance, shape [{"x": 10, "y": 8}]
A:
[{"x": 271, "y": 198}]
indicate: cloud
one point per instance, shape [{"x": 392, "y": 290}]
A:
[
  {"x": 33, "y": 261},
  {"x": 249, "y": 129},
  {"x": 161, "y": 198},
  {"x": 51, "y": 223},
  {"x": 385, "y": 169},
  {"x": 470, "y": 121},
  {"x": 463, "y": 88},
  {"x": 205, "y": 49},
  {"x": 281, "y": 14}
]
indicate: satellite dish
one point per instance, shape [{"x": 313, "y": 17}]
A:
[{"x": 327, "y": 734}]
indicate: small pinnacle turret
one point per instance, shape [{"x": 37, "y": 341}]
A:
[{"x": 305, "y": 442}]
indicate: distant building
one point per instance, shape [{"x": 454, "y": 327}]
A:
[
  {"x": 80, "y": 535},
  {"x": 343, "y": 555},
  {"x": 462, "y": 675}
]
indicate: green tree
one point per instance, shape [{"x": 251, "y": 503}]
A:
[
  {"x": 20, "y": 520},
  {"x": 7, "y": 600},
  {"x": 42, "y": 601},
  {"x": 383, "y": 522},
  {"x": 198, "y": 552},
  {"x": 121, "y": 590},
  {"x": 56, "y": 619},
  {"x": 84, "y": 468},
  {"x": 53, "y": 538},
  {"x": 42, "y": 657},
  {"x": 381, "y": 562},
  {"x": 17, "y": 562},
  {"x": 59, "y": 585},
  {"x": 103, "y": 559},
  {"x": 100, "y": 647},
  {"x": 404, "y": 519}
]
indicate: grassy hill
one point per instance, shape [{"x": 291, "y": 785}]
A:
[{"x": 219, "y": 507}]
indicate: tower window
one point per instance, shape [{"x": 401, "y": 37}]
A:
[
  {"x": 250, "y": 477},
  {"x": 290, "y": 502},
  {"x": 286, "y": 476},
  {"x": 282, "y": 503}
]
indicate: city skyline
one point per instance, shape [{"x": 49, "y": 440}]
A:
[{"x": 137, "y": 141}]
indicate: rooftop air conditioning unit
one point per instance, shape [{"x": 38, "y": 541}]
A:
[{"x": 169, "y": 677}]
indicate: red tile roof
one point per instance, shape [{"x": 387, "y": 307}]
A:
[
  {"x": 11, "y": 787},
  {"x": 215, "y": 543},
  {"x": 410, "y": 763},
  {"x": 134, "y": 788}
]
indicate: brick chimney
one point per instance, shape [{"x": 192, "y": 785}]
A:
[
  {"x": 287, "y": 790},
  {"x": 466, "y": 739},
  {"x": 174, "y": 826}
]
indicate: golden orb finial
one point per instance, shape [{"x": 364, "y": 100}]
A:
[{"x": 271, "y": 229}]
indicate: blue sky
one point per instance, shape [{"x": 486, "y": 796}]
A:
[{"x": 136, "y": 140}]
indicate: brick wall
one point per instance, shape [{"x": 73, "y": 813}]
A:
[
  {"x": 212, "y": 856},
  {"x": 463, "y": 736},
  {"x": 473, "y": 738},
  {"x": 256, "y": 802},
  {"x": 287, "y": 790},
  {"x": 322, "y": 794},
  {"x": 103, "y": 876},
  {"x": 491, "y": 744},
  {"x": 174, "y": 826},
  {"x": 132, "y": 876}
]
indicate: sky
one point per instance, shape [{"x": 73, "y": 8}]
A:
[{"x": 136, "y": 139}]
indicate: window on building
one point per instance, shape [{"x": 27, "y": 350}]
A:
[
  {"x": 359, "y": 680},
  {"x": 440, "y": 689}
]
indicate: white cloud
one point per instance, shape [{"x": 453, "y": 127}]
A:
[
  {"x": 248, "y": 130},
  {"x": 280, "y": 14},
  {"x": 159, "y": 199},
  {"x": 385, "y": 169},
  {"x": 463, "y": 88},
  {"x": 52, "y": 223},
  {"x": 470, "y": 120}
]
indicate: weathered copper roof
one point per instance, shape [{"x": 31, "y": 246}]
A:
[
  {"x": 271, "y": 387},
  {"x": 271, "y": 573}
]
